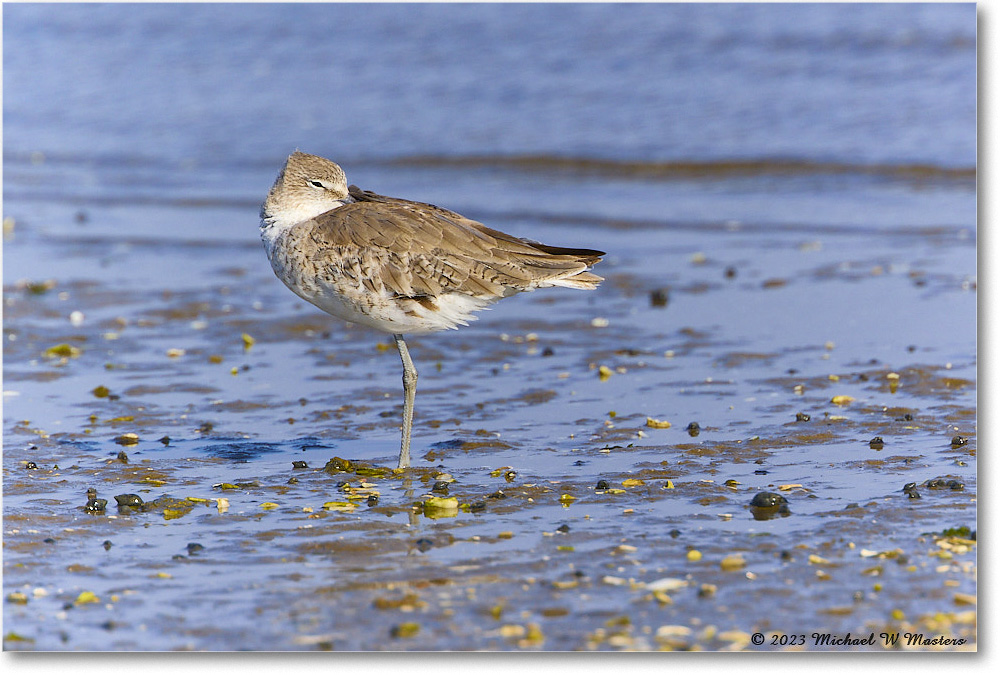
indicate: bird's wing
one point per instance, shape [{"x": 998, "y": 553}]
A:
[{"x": 421, "y": 249}]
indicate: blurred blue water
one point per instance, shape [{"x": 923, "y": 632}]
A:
[
  {"x": 171, "y": 121},
  {"x": 238, "y": 83}
]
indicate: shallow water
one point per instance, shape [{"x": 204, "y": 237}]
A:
[{"x": 802, "y": 255}]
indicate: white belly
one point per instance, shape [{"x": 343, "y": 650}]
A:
[{"x": 365, "y": 304}]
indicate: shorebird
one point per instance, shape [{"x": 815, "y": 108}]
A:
[{"x": 398, "y": 266}]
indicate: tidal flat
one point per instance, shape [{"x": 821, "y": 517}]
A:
[{"x": 584, "y": 463}]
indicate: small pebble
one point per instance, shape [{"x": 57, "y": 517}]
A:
[
  {"x": 959, "y": 441},
  {"x": 876, "y": 443},
  {"x": 802, "y": 417},
  {"x": 123, "y": 457},
  {"x": 659, "y": 297},
  {"x": 129, "y": 500},
  {"x": 299, "y": 464},
  {"x": 767, "y": 500},
  {"x": 194, "y": 547},
  {"x": 956, "y": 485},
  {"x": 107, "y": 544},
  {"x": 693, "y": 429},
  {"x": 424, "y": 544},
  {"x": 564, "y": 528},
  {"x": 372, "y": 500},
  {"x": 95, "y": 505},
  {"x": 603, "y": 485}
]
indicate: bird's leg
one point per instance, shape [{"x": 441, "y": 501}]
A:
[{"x": 409, "y": 393}]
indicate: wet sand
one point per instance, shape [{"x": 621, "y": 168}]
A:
[{"x": 580, "y": 521}]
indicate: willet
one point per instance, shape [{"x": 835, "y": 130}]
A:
[{"x": 398, "y": 266}]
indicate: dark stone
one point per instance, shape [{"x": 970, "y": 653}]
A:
[
  {"x": 767, "y": 500},
  {"x": 659, "y": 297},
  {"x": 95, "y": 505},
  {"x": 129, "y": 501}
]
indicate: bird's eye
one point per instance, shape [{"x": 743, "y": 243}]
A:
[{"x": 316, "y": 183}]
